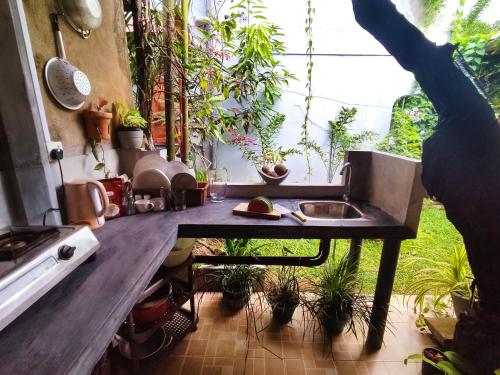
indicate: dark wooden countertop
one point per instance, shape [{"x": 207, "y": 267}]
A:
[{"x": 68, "y": 329}]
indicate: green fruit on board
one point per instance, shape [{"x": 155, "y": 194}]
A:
[{"x": 261, "y": 205}]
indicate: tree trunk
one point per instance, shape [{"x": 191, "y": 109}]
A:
[
  {"x": 461, "y": 166},
  {"x": 169, "y": 6},
  {"x": 140, "y": 18}
]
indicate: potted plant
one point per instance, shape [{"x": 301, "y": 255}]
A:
[
  {"x": 436, "y": 362},
  {"x": 440, "y": 280},
  {"x": 130, "y": 126},
  {"x": 237, "y": 281},
  {"x": 282, "y": 294},
  {"x": 339, "y": 301},
  {"x": 98, "y": 121}
]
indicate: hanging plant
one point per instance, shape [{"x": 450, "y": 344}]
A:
[{"x": 306, "y": 142}]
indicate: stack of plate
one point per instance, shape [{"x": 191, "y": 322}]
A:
[{"x": 154, "y": 172}]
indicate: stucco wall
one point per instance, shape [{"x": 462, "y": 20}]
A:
[{"x": 103, "y": 57}]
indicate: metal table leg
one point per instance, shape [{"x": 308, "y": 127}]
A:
[
  {"x": 383, "y": 291},
  {"x": 355, "y": 253}
]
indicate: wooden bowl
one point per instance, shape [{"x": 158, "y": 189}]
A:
[{"x": 270, "y": 180}]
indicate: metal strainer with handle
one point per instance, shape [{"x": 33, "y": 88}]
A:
[{"x": 68, "y": 85}]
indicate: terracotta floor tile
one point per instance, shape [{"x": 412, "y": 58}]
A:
[
  {"x": 294, "y": 367},
  {"x": 240, "y": 348},
  {"x": 324, "y": 363},
  {"x": 342, "y": 356},
  {"x": 377, "y": 368},
  {"x": 180, "y": 348},
  {"x": 226, "y": 343},
  {"x": 292, "y": 349},
  {"x": 275, "y": 366},
  {"x": 399, "y": 368},
  {"x": 211, "y": 348},
  {"x": 211, "y": 371},
  {"x": 197, "y": 347},
  {"x": 346, "y": 368},
  {"x": 259, "y": 367},
  {"x": 171, "y": 365},
  {"x": 242, "y": 366},
  {"x": 273, "y": 349},
  {"x": 225, "y": 348},
  {"x": 224, "y": 361},
  {"x": 192, "y": 366}
]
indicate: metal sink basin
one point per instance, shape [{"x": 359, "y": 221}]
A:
[{"x": 329, "y": 210}]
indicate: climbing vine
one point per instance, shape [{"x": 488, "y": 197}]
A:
[{"x": 306, "y": 142}]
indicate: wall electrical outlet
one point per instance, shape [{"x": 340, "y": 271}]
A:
[{"x": 54, "y": 146}]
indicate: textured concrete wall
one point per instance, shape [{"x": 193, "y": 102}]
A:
[{"x": 103, "y": 57}]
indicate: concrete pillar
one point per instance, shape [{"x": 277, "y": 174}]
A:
[{"x": 24, "y": 132}]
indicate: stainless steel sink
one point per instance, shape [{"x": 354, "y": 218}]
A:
[{"x": 329, "y": 210}]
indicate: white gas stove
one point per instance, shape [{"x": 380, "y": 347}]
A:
[{"x": 34, "y": 259}]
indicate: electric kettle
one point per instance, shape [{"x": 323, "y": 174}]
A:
[{"x": 86, "y": 202}]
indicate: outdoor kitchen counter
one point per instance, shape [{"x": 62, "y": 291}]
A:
[{"x": 68, "y": 329}]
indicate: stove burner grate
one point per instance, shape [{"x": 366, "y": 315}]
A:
[{"x": 15, "y": 244}]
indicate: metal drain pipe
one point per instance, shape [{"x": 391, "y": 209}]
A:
[{"x": 318, "y": 259}]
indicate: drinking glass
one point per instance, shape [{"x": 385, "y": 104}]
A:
[
  {"x": 217, "y": 179},
  {"x": 179, "y": 197}
]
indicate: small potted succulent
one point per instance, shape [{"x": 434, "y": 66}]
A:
[
  {"x": 282, "y": 294},
  {"x": 130, "y": 126},
  {"x": 98, "y": 121}
]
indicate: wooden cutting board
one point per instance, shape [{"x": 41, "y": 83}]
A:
[{"x": 242, "y": 210}]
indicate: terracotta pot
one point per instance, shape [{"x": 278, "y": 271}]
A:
[
  {"x": 131, "y": 139},
  {"x": 98, "y": 125}
]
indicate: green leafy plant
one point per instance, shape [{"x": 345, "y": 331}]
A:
[
  {"x": 127, "y": 118},
  {"x": 260, "y": 146},
  {"x": 450, "y": 363},
  {"x": 238, "y": 280},
  {"x": 239, "y": 247},
  {"x": 432, "y": 8},
  {"x": 282, "y": 292},
  {"x": 403, "y": 138},
  {"x": 340, "y": 140},
  {"x": 438, "y": 280},
  {"x": 309, "y": 145},
  {"x": 101, "y": 161},
  {"x": 478, "y": 44},
  {"x": 339, "y": 301}
]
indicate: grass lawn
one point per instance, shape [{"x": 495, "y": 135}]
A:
[{"x": 436, "y": 239}]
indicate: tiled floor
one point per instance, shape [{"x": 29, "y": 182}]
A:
[{"x": 222, "y": 346}]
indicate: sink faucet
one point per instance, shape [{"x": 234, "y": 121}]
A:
[{"x": 347, "y": 193}]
